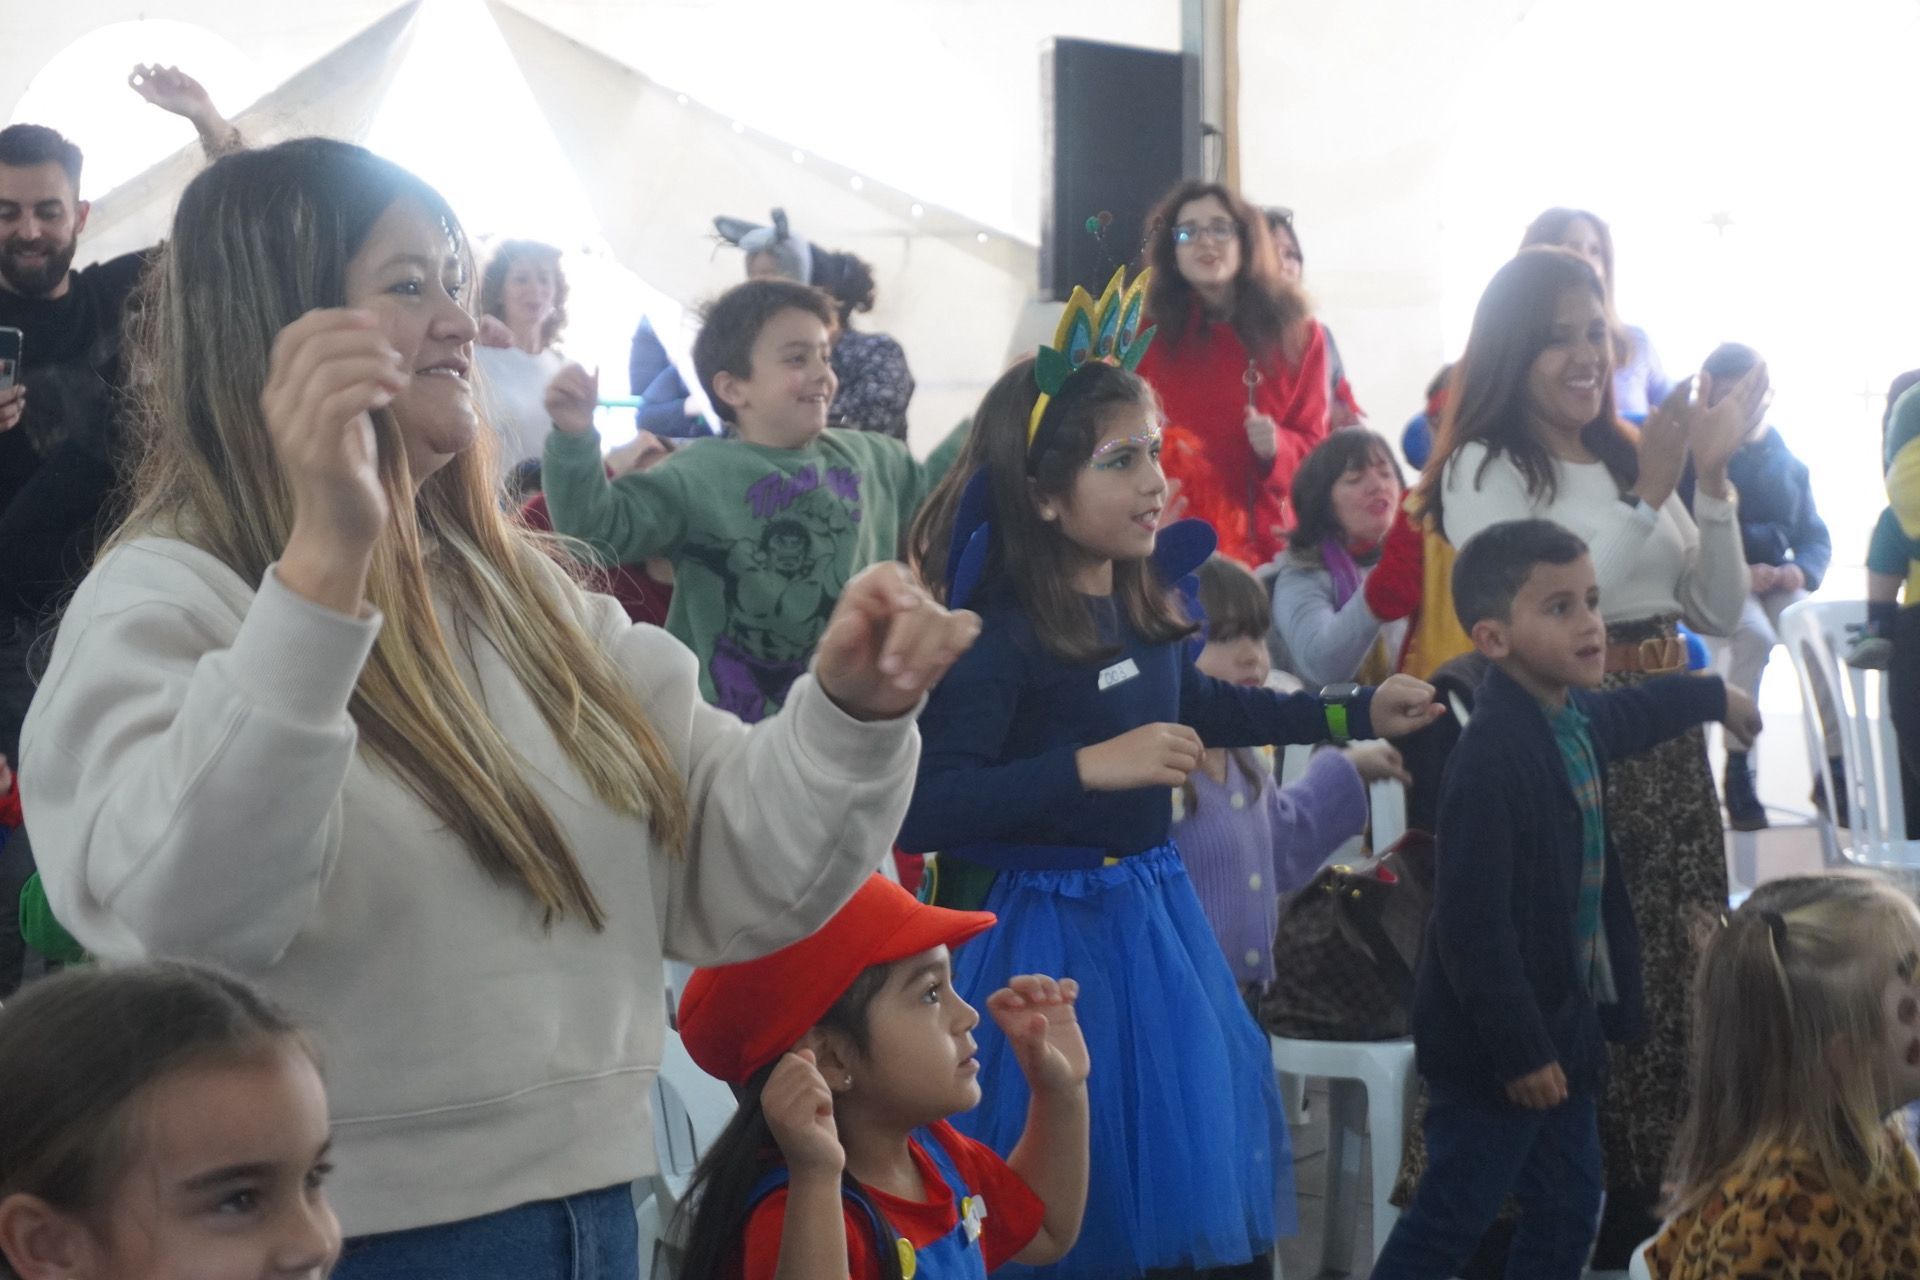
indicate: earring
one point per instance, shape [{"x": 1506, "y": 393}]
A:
[{"x": 849, "y": 1083}]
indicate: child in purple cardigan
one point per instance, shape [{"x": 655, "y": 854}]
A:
[{"x": 1245, "y": 839}]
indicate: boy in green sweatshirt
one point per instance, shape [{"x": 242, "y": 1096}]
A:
[{"x": 763, "y": 530}]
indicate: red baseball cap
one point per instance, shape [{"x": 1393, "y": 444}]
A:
[{"x": 737, "y": 1018}]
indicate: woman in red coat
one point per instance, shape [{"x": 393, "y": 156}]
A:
[{"x": 1239, "y": 363}]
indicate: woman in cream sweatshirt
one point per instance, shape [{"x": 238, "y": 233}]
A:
[{"x": 323, "y": 714}]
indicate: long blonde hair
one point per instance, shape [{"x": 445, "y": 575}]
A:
[
  {"x": 260, "y": 238},
  {"x": 1790, "y": 1036}
]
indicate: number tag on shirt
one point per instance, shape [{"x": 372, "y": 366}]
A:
[{"x": 1119, "y": 673}]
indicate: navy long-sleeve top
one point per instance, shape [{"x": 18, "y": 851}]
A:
[
  {"x": 1000, "y": 732},
  {"x": 1501, "y": 990}
]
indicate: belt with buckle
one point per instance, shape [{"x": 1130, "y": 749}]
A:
[{"x": 1654, "y": 656}]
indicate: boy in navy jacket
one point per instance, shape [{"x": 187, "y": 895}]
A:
[{"x": 1532, "y": 959}]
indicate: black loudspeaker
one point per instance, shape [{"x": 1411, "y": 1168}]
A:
[{"x": 1123, "y": 126}]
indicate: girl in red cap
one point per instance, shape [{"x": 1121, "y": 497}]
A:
[
  {"x": 1046, "y": 783},
  {"x": 851, "y": 1049}
]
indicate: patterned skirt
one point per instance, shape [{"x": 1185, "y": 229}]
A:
[{"x": 1663, "y": 815}]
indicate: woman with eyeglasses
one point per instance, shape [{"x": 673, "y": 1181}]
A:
[
  {"x": 1240, "y": 366},
  {"x": 1342, "y": 409}
]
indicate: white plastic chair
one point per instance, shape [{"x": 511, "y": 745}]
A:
[
  {"x": 678, "y": 971},
  {"x": 1294, "y": 758},
  {"x": 1387, "y": 800},
  {"x": 1369, "y": 1083},
  {"x": 1370, "y": 1087},
  {"x": 690, "y": 1109},
  {"x": 655, "y": 1253},
  {"x": 1814, "y": 633}
]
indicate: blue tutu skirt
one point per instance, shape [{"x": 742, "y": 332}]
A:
[{"x": 1191, "y": 1164}]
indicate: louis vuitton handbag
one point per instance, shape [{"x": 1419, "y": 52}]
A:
[{"x": 1347, "y": 947}]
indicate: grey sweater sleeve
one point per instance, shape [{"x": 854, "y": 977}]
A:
[{"x": 1325, "y": 645}]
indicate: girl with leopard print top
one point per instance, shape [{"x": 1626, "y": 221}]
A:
[{"x": 1807, "y": 1041}]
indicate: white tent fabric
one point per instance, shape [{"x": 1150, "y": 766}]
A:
[
  {"x": 336, "y": 96},
  {"x": 652, "y": 163},
  {"x": 657, "y": 171},
  {"x": 1417, "y": 141}
]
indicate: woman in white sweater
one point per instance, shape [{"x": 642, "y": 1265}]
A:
[
  {"x": 322, "y": 714},
  {"x": 1344, "y": 496},
  {"x": 523, "y": 292},
  {"x": 1531, "y": 431}
]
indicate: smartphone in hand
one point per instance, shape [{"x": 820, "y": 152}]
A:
[{"x": 10, "y": 343}]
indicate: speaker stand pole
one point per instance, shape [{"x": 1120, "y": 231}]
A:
[{"x": 1210, "y": 38}]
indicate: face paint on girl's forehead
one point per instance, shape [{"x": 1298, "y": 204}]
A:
[{"x": 1146, "y": 441}]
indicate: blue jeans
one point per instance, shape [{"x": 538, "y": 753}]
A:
[
  {"x": 590, "y": 1236},
  {"x": 1480, "y": 1152}
]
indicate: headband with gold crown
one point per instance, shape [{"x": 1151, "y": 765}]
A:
[
  {"x": 1104, "y": 332},
  {"x": 1090, "y": 332}
]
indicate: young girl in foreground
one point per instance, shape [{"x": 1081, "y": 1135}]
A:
[
  {"x": 1050, "y": 757},
  {"x": 160, "y": 1121},
  {"x": 852, "y": 1050},
  {"x": 1792, "y": 1163}
]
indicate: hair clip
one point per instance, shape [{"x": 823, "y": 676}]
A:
[{"x": 1777, "y": 927}]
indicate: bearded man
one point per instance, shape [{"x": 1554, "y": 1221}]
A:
[{"x": 61, "y": 438}]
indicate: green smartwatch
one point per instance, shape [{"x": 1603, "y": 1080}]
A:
[{"x": 1339, "y": 698}]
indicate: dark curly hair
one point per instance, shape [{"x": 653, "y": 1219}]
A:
[
  {"x": 1269, "y": 313},
  {"x": 847, "y": 279}
]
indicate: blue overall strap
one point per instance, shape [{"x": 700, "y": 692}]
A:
[
  {"x": 961, "y": 1253},
  {"x": 885, "y": 1239},
  {"x": 958, "y": 1255}
]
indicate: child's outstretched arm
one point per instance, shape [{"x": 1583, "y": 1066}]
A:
[
  {"x": 1402, "y": 705},
  {"x": 922, "y": 478},
  {"x": 1629, "y": 721},
  {"x": 1036, "y": 1013},
  {"x": 1230, "y": 715},
  {"x": 641, "y": 514},
  {"x": 1323, "y": 809},
  {"x": 799, "y": 1109}
]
